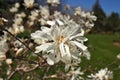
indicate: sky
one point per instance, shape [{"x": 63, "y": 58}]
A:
[{"x": 107, "y": 5}]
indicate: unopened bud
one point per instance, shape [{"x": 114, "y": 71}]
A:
[
  {"x": 19, "y": 51},
  {"x": 9, "y": 61},
  {"x": 118, "y": 56}
]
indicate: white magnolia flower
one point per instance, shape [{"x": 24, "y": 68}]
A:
[
  {"x": 17, "y": 5},
  {"x": 17, "y": 29},
  {"x": 28, "y": 3},
  {"x": 30, "y": 22},
  {"x": 13, "y": 10},
  {"x": 17, "y": 26},
  {"x": 20, "y": 15},
  {"x": 64, "y": 43},
  {"x": 33, "y": 15},
  {"x": 23, "y": 15},
  {"x": 78, "y": 11},
  {"x": 4, "y": 48},
  {"x": 57, "y": 14},
  {"x": 75, "y": 74},
  {"x": 103, "y": 74},
  {"x": 89, "y": 18},
  {"x": 44, "y": 12},
  {"x": 88, "y": 24},
  {"x": 18, "y": 20}
]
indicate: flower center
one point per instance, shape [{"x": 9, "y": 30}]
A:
[{"x": 60, "y": 39}]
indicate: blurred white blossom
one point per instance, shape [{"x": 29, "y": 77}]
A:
[
  {"x": 44, "y": 12},
  {"x": 17, "y": 26},
  {"x": 17, "y": 5},
  {"x": 28, "y": 3},
  {"x": 14, "y": 8},
  {"x": 89, "y": 17},
  {"x": 4, "y": 47},
  {"x": 103, "y": 74},
  {"x": 32, "y": 17},
  {"x": 75, "y": 74}
]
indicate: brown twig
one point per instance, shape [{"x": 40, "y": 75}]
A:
[
  {"x": 24, "y": 69},
  {"x": 12, "y": 73}
]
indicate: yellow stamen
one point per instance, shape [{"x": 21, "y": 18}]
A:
[{"x": 60, "y": 39}]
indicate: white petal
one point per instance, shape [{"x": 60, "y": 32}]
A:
[
  {"x": 53, "y": 58},
  {"x": 37, "y": 34},
  {"x": 50, "y": 61},
  {"x": 42, "y": 47},
  {"x": 86, "y": 54},
  {"x": 81, "y": 46},
  {"x": 67, "y": 66},
  {"x": 55, "y": 32},
  {"x": 45, "y": 29},
  {"x": 40, "y": 35},
  {"x": 5, "y": 20},
  {"x": 51, "y": 23},
  {"x": 70, "y": 30},
  {"x": 67, "y": 51},
  {"x": 59, "y": 22},
  {"x": 77, "y": 35},
  {"x": 62, "y": 50}
]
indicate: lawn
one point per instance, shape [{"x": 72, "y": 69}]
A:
[{"x": 103, "y": 53}]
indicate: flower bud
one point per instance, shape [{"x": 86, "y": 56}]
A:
[
  {"x": 19, "y": 51},
  {"x": 118, "y": 56},
  {"x": 9, "y": 61}
]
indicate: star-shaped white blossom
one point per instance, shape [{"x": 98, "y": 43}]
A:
[
  {"x": 64, "y": 42},
  {"x": 103, "y": 74},
  {"x": 28, "y": 3}
]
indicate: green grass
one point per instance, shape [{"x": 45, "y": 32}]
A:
[{"x": 103, "y": 52}]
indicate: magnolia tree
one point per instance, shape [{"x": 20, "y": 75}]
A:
[{"x": 55, "y": 41}]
